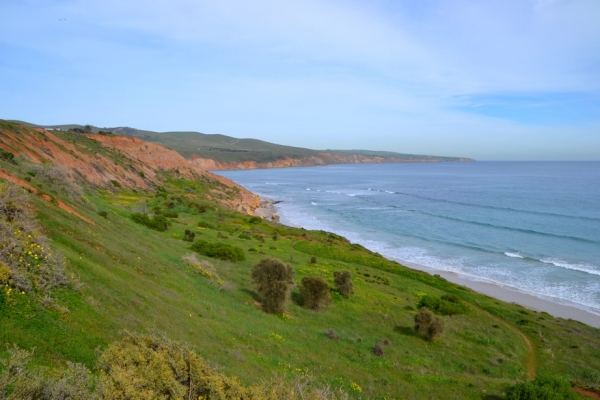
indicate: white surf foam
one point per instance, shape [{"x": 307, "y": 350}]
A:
[
  {"x": 513, "y": 255},
  {"x": 590, "y": 269}
]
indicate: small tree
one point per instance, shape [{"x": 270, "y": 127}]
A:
[
  {"x": 313, "y": 260},
  {"x": 343, "y": 283},
  {"x": 427, "y": 323},
  {"x": 435, "y": 329},
  {"x": 273, "y": 281},
  {"x": 315, "y": 292}
]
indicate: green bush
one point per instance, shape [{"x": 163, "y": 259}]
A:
[
  {"x": 255, "y": 220},
  {"x": 219, "y": 250},
  {"x": 103, "y": 214},
  {"x": 245, "y": 236},
  {"x": 343, "y": 283},
  {"x": 542, "y": 388},
  {"x": 171, "y": 214},
  {"x": 446, "y": 305},
  {"x": 273, "y": 281},
  {"x": 158, "y": 222},
  {"x": 204, "y": 224},
  {"x": 6, "y": 155},
  {"x": 315, "y": 292}
]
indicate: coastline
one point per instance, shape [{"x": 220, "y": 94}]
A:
[
  {"x": 268, "y": 210},
  {"x": 511, "y": 295}
]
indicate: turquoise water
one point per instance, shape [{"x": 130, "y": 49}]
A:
[{"x": 532, "y": 226}]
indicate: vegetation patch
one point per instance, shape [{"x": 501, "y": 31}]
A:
[
  {"x": 158, "y": 222},
  {"x": 222, "y": 251}
]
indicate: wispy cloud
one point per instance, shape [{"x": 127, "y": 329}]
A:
[{"x": 410, "y": 74}]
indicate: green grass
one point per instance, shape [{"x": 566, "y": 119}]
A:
[{"x": 134, "y": 279}]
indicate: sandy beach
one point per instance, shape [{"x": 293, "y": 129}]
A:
[
  {"x": 511, "y": 295},
  {"x": 267, "y": 210}
]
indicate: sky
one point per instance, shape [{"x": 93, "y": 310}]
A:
[{"x": 487, "y": 79}]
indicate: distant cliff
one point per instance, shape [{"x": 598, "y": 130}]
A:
[
  {"x": 323, "y": 158},
  {"x": 221, "y": 152}
]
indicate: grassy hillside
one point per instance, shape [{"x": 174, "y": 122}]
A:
[
  {"x": 226, "y": 149},
  {"x": 135, "y": 278}
]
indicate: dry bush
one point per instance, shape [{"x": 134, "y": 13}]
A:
[
  {"x": 17, "y": 381},
  {"x": 24, "y": 250},
  {"x": 273, "y": 281},
  {"x": 151, "y": 366},
  {"x": 58, "y": 178},
  {"x": 301, "y": 388},
  {"x": 427, "y": 323},
  {"x": 343, "y": 283},
  {"x": 203, "y": 268},
  {"x": 315, "y": 292},
  {"x": 330, "y": 334}
]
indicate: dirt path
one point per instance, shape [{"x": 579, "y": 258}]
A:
[
  {"x": 530, "y": 359},
  {"x": 588, "y": 393}
]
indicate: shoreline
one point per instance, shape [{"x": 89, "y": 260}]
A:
[
  {"x": 507, "y": 294},
  {"x": 510, "y": 295}
]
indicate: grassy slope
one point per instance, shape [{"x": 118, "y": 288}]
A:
[
  {"x": 224, "y": 148},
  {"x": 135, "y": 279}
]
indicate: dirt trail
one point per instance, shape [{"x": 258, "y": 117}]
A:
[
  {"x": 530, "y": 359},
  {"x": 588, "y": 393}
]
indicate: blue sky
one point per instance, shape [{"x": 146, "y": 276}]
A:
[{"x": 493, "y": 80}]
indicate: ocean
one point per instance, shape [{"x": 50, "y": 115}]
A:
[{"x": 530, "y": 226}]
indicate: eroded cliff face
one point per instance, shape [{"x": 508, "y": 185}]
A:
[
  {"x": 322, "y": 159},
  {"x": 129, "y": 161}
]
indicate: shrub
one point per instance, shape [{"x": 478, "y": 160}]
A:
[
  {"x": 448, "y": 304},
  {"x": 158, "y": 222},
  {"x": 203, "y": 268},
  {"x": 116, "y": 184},
  {"x": 222, "y": 236},
  {"x": 153, "y": 366},
  {"x": 245, "y": 236},
  {"x": 543, "y": 388},
  {"x": 273, "y": 281},
  {"x": 6, "y": 155},
  {"x": 313, "y": 260},
  {"x": 435, "y": 329},
  {"x": 343, "y": 283},
  {"x": 28, "y": 264},
  {"x": 219, "y": 250},
  {"x": 19, "y": 382},
  {"x": 378, "y": 350},
  {"x": 427, "y": 323},
  {"x": 204, "y": 224},
  {"x": 255, "y": 220},
  {"x": 103, "y": 214},
  {"x": 275, "y": 236},
  {"x": 57, "y": 178},
  {"x": 315, "y": 292},
  {"x": 330, "y": 334},
  {"x": 188, "y": 236},
  {"x": 171, "y": 214},
  {"x": 423, "y": 319}
]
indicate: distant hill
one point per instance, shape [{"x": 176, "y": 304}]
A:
[{"x": 214, "y": 151}]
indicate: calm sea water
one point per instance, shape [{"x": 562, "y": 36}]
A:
[{"x": 532, "y": 226}]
